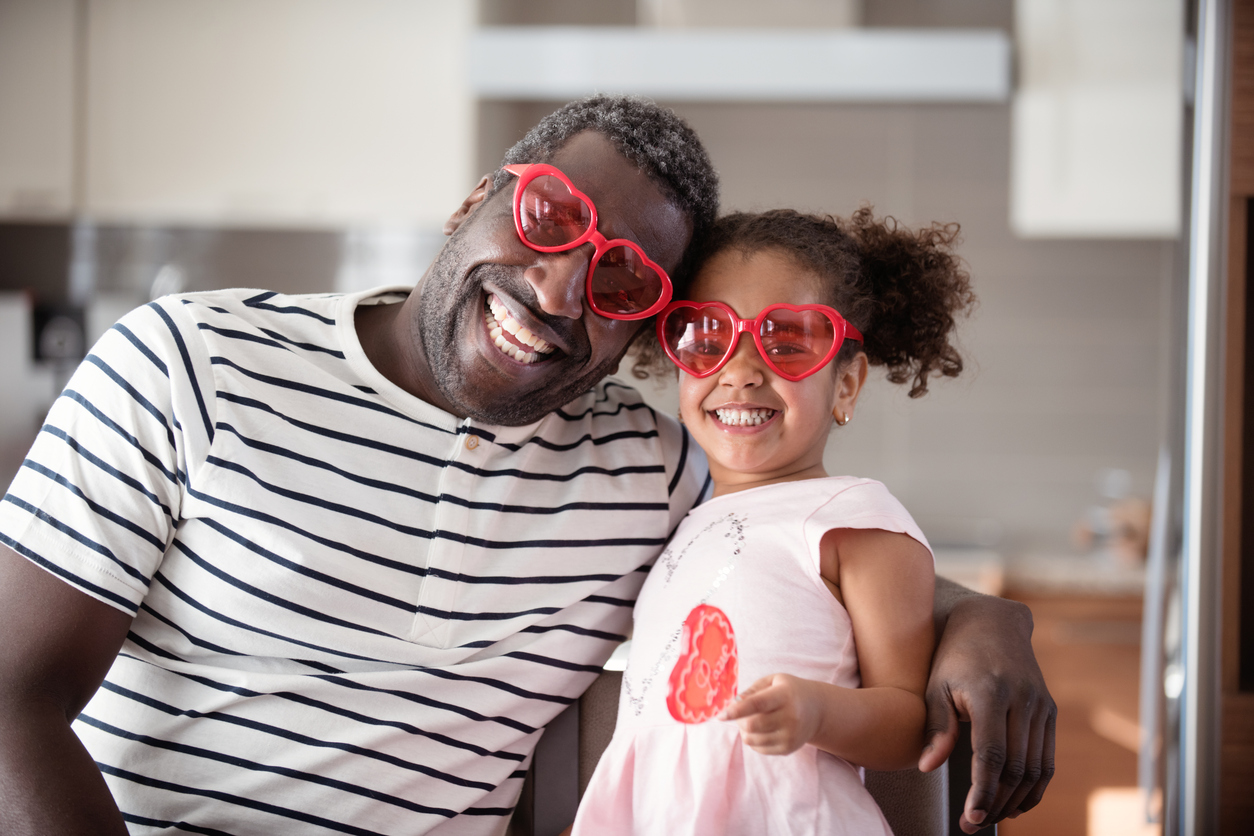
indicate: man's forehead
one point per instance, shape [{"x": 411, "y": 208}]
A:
[{"x": 630, "y": 204}]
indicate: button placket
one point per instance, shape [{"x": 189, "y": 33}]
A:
[{"x": 446, "y": 554}]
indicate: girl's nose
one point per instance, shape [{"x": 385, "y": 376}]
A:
[
  {"x": 744, "y": 368},
  {"x": 559, "y": 280}
]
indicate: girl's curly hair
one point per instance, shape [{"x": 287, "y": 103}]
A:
[{"x": 902, "y": 289}]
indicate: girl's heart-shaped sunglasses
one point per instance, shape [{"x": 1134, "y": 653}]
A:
[{"x": 794, "y": 340}]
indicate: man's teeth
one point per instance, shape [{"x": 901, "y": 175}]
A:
[
  {"x": 500, "y": 322},
  {"x": 744, "y": 417}
]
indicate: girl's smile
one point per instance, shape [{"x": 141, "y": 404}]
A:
[
  {"x": 745, "y": 416},
  {"x": 756, "y": 427}
]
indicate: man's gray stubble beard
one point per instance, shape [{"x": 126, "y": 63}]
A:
[{"x": 440, "y": 346}]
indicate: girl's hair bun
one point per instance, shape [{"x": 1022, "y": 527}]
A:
[{"x": 911, "y": 287}]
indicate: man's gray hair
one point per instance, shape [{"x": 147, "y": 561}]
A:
[{"x": 651, "y": 136}]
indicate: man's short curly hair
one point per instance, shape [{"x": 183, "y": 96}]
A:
[{"x": 651, "y": 136}]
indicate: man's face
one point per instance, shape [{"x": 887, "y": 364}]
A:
[{"x": 486, "y": 277}]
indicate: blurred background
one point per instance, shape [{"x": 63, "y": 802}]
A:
[{"x": 158, "y": 146}]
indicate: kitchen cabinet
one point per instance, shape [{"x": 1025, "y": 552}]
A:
[
  {"x": 37, "y": 109},
  {"x": 323, "y": 113},
  {"x": 1088, "y": 646}
]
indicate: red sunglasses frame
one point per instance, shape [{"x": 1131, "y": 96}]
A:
[
  {"x": 841, "y": 330},
  {"x": 527, "y": 173}
]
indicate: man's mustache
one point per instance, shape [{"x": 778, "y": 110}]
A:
[{"x": 570, "y": 331}]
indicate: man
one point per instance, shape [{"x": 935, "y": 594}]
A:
[{"x": 342, "y": 558}]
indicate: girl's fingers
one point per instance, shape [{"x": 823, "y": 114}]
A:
[
  {"x": 768, "y": 746},
  {"x": 756, "y": 699}
]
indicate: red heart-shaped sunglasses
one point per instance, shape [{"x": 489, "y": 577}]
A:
[
  {"x": 794, "y": 340},
  {"x": 551, "y": 216}
]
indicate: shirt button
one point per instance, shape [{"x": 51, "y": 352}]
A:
[{"x": 472, "y": 441}]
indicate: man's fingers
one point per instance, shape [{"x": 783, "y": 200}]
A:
[
  {"x": 988, "y": 746},
  {"x": 1032, "y": 766},
  {"x": 1034, "y": 794},
  {"x": 940, "y": 735},
  {"x": 1024, "y": 726}
]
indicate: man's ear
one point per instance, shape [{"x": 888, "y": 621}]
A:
[{"x": 468, "y": 205}]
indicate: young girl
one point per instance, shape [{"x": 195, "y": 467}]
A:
[{"x": 824, "y": 582}]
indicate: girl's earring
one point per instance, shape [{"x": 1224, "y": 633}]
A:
[
  {"x": 680, "y": 415},
  {"x": 842, "y": 421}
]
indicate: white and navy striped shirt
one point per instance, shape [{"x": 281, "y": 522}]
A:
[{"x": 354, "y": 613}]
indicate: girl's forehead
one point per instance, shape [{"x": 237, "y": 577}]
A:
[{"x": 753, "y": 280}]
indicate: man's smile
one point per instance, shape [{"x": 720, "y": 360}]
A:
[{"x": 510, "y": 336}]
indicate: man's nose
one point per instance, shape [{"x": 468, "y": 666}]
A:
[{"x": 559, "y": 279}]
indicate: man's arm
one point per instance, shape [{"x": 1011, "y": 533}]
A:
[
  {"x": 985, "y": 672},
  {"x": 58, "y": 646}
]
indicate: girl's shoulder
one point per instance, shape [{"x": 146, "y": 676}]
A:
[
  {"x": 854, "y": 502},
  {"x": 804, "y": 492}
]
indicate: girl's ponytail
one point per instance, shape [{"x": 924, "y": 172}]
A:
[{"x": 909, "y": 288}]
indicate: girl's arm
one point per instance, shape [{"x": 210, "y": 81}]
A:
[{"x": 885, "y": 582}]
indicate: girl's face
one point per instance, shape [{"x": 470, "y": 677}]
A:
[{"x": 756, "y": 427}]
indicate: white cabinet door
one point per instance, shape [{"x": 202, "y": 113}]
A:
[
  {"x": 284, "y": 112},
  {"x": 36, "y": 109}
]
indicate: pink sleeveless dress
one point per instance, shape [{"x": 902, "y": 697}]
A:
[{"x": 755, "y": 555}]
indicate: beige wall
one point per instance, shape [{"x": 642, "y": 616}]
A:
[{"x": 1068, "y": 349}]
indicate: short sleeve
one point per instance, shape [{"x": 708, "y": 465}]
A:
[
  {"x": 862, "y": 503},
  {"x": 97, "y": 499},
  {"x": 688, "y": 480}
]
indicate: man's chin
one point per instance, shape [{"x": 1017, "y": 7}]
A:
[
  {"x": 513, "y": 406},
  {"x": 516, "y": 413}
]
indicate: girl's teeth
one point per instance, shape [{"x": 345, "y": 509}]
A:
[{"x": 744, "y": 417}]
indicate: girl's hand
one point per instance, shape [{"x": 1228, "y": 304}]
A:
[{"x": 778, "y": 714}]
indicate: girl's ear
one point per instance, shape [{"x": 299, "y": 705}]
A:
[
  {"x": 848, "y": 386},
  {"x": 468, "y": 205}
]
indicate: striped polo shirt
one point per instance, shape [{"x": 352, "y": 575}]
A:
[{"x": 354, "y": 613}]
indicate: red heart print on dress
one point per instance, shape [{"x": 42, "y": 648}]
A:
[{"x": 704, "y": 679}]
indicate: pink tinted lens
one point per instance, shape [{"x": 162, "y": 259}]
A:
[
  {"x": 796, "y": 342},
  {"x": 622, "y": 283},
  {"x": 699, "y": 338},
  {"x": 550, "y": 215}
]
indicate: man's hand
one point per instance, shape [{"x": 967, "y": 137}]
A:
[
  {"x": 985, "y": 672},
  {"x": 777, "y": 715}
]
